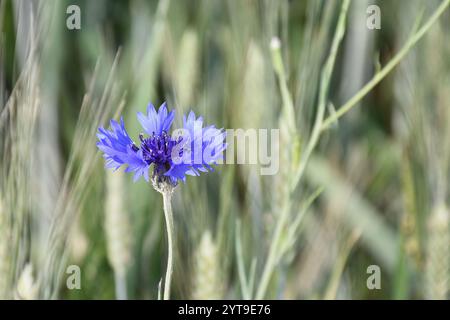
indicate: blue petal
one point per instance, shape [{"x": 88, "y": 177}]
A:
[
  {"x": 156, "y": 122},
  {"x": 204, "y": 148},
  {"x": 117, "y": 150},
  {"x": 177, "y": 172}
]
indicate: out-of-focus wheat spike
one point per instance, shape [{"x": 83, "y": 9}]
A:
[
  {"x": 117, "y": 229},
  {"x": 289, "y": 139},
  {"x": 187, "y": 68},
  {"x": 27, "y": 287},
  {"x": 17, "y": 128},
  {"x": 207, "y": 270},
  {"x": 97, "y": 107},
  {"x": 409, "y": 222},
  {"x": 438, "y": 254}
]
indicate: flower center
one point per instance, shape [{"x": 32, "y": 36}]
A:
[{"x": 157, "y": 149}]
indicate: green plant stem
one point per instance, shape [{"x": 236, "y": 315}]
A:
[
  {"x": 272, "y": 260},
  {"x": 325, "y": 80},
  {"x": 121, "y": 285},
  {"x": 387, "y": 69},
  {"x": 240, "y": 262},
  {"x": 167, "y": 197},
  {"x": 275, "y": 246}
]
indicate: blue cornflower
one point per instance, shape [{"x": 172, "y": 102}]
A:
[{"x": 193, "y": 149}]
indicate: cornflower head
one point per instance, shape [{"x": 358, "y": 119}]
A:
[{"x": 188, "y": 151}]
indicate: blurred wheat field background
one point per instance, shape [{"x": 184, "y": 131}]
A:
[{"x": 363, "y": 175}]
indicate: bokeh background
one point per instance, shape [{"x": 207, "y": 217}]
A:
[{"x": 374, "y": 191}]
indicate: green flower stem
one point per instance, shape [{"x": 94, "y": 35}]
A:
[
  {"x": 325, "y": 81},
  {"x": 167, "y": 197},
  {"x": 121, "y": 285}
]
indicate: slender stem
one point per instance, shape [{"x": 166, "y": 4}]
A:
[
  {"x": 272, "y": 260},
  {"x": 167, "y": 196},
  {"x": 240, "y": 262},
  {"x": 121, "y": 285},
  {"x": 159, "y": 290},
  {"x": 325, "y": 80}
]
